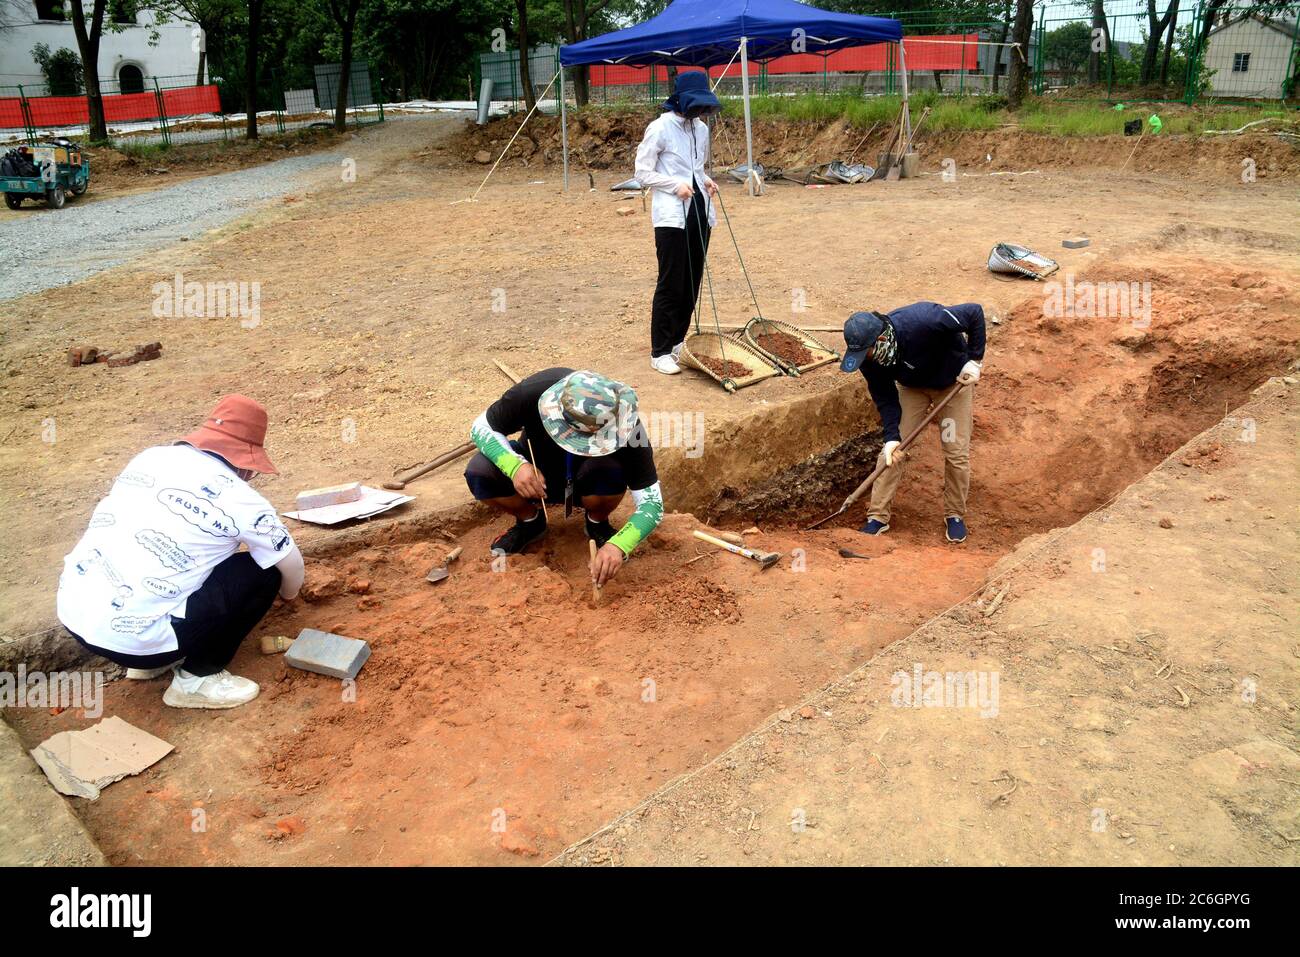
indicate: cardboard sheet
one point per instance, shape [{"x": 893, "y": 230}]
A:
[
  {"x": 372, "y": 502},
  {"x": 82, "y": 763}
]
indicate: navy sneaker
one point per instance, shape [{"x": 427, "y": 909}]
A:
[
  {"x": 599, "y": 532},
  {"x": 520, "y": 535},
  {"x": 874, "y": 527},
  {"x": 956, "y": 530}
]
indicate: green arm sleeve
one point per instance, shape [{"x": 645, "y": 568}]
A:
[
  {"x": 649, "y": 513},
  {"x": 495, "y": 446}
]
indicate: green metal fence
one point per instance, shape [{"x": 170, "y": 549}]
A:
[
  {"x": 169, "y": 110},
  {"x": 1203, "y": 51},
  {"x": 1206, "y": 51}
]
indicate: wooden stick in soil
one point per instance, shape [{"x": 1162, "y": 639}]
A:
[
  {"x": 542, "y": 504},
  {"x": 595, "y": 587},
  {"x": 507, "y": 370},
  {"x": 399, "y": 483}
]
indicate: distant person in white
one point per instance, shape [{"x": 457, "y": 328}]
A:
[
  {"x": 670, "y": 162},
  {"x": 159, "y": 581}
]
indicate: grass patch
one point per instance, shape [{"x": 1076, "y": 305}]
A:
[
  {"x": 947, "y": 112},
  {"x": 974, "y": 113},
  {"x": 140, "y": 150}
]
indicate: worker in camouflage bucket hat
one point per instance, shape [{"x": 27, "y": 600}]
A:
[{"x": 590, "y": 448}]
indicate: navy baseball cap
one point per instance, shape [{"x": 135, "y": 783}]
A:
[{"x": 860, "y": 334}]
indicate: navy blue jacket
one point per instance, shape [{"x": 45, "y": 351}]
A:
[{"x": 934, "y": 342}]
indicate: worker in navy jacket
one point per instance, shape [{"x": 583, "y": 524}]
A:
[{"x": 910, "y": 358}]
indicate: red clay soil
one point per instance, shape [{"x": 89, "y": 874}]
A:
[
  {"x": 785, "y": 346},
  {"x": 724, "y": 368},
  {"x": 502, "y": 717}
]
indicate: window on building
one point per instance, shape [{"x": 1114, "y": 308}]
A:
[
  {"x": 1240, "y": 62},
  {"x": 49, "y": 9},
  {"x": 122, "y": 11},
  {"x": 130, "y": 79}
]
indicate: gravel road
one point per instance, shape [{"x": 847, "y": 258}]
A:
[{"x": 65, "y": 245}]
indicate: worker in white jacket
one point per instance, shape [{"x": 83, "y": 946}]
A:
[{"x": 670, "y": 161}]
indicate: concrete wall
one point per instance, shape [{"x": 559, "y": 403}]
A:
[
  {"x": 20, "y": 31},
  {"x": 1269, "y": 50}
]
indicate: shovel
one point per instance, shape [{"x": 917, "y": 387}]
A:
[
  {"x": 858, "y": 492},
  {"x": 766, "y": 559},
  {"x": 441, "y": 572}
]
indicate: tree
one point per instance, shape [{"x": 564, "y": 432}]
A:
[
  {"x": 61, "y": 69},
  {"x": 1154, "y": 36},
  {"x": 213, "y": 18},
  {"x": 1067, "y": 48},
  {"x": 578, "y": 15},
  {"x": 521, "y": 37},
  {"x": 253, "y": 38},
  {"x": 344, "y": 13},
  {"x": 1102, "y": 23},
  {"x": 88, "y": 38},
  {"x": 1018, "y": 81}
]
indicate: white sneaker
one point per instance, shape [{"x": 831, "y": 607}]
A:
[
  {"x": 665, "y": 364},
  {"x": 677, "y": 349},
  {"x": 148, "y": 674},
  {"x": 222, "y": 690}
]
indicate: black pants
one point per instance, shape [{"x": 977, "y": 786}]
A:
[
  {"x": 592, "y": 475},
  {"x": 220, "y": 615},
  {"x": 681, "y": 265}
]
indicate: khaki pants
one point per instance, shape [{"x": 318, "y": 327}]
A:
[{"x": 954, "y": 424}]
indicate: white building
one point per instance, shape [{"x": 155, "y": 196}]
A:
[
  {"x": 1250, "y": 56},
  {"x": 125, "y": 53}
]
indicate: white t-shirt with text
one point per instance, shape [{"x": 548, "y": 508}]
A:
[{"x": 172, "y": 516}]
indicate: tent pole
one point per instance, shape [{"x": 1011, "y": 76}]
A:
[
  {"x": 564, "y": 130},
  {"x": 749, "y": 132}
]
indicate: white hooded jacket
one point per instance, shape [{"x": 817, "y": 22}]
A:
[{"x": 672, "y": 152}]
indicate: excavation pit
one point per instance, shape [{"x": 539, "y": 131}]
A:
[{"x": 500, "y": 717}]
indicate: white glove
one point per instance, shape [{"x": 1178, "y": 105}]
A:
[
  {"x": 890, "y": 452},
  {"x": 970, "y": 373}
]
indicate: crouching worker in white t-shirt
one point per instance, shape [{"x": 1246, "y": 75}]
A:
[{"x": 158, "y": 583}]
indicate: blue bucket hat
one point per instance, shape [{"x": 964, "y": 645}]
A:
[
  {"x": 692, "y": 93},
  {"x": 860, "y": 334}
]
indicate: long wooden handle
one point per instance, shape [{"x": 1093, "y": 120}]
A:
[
  {"x": 713, "y": 540},
  {"x": 902, "y": 447},
  {"x": 437, "y": 463},
  {"x": 907, "y": 148},
  {"x": 510, "y": 373},
  {"x": 595, "y": 588}
]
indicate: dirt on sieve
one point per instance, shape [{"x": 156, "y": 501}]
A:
[{"x": 785, "y": 346}]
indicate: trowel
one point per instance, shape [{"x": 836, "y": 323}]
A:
[{"x": 441, "y": 572}]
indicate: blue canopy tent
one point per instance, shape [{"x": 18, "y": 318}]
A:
[{"x": 705, "y": 33}]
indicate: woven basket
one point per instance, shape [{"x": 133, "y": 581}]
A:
[
  {"x": 711, "y": 345},
  {"x": 822, "y": 354}
]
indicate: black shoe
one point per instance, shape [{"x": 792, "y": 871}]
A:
[
  {"x": 599, "y": 532},
  {"x": 520, "y": 535}
]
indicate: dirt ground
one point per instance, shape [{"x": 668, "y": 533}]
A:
[
  {"x": 115, "y": 173},
  {"x": 1145, "y": 713},
  {"x": 503, "y": 695}
]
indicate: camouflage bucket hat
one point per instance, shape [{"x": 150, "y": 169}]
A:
[{"x": 585, "y": 413}]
